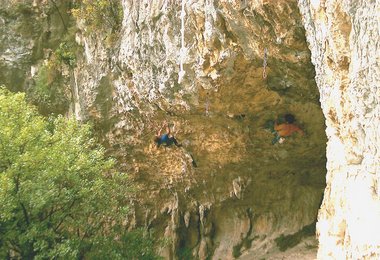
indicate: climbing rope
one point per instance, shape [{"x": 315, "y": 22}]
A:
[
  {"x": 265, "y": 63},
  {"x": 182, "y": 52},
  {"x": 207, "y": 106}
]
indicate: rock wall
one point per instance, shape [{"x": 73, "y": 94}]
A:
[
  {"x": 244, "y": 192},
  {"x": 344, "y": 38},
  {"x": 29, "y": 30},
  {"x": 217, "y": 71}
]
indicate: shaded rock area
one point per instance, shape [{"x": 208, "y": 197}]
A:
[
  {"x": 29, "y": 32},
  {"x": 227, "y": 192},
  {"x": 305, "y": 250}
]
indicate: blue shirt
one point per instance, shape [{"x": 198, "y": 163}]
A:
[{"x": 163, "y": 139}]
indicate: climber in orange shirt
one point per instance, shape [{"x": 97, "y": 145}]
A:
[{"x": 285, "y": 129}]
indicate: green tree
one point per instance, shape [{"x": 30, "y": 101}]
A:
[{"x": 60, "y": 197}]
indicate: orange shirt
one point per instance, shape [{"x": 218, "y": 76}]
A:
[{"x": 284, "y": 130}]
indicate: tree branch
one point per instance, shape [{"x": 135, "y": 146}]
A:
[
  {"x": 25, "y": 213},
  {"x": 65, "y": 216}
]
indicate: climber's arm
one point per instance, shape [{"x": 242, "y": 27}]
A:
[
  {"x": 159, "y": 132},
  {"x": 300, "y": 131}
]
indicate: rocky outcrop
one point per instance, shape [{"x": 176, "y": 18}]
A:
[
  {"x": 344, "y": 40},
  {"x": 245, "y": 192},
  {"x": 29, "y": 32},
  {"x": 217, "y": 71}
]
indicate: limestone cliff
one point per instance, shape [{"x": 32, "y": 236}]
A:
[
  {"x": 344, "y": 40},
  {"x": 245, "y": 192},
  {"x": 31, "y": 33},
  {"x": 28, "y": 32},
  {"x": 217, "y": 71}
]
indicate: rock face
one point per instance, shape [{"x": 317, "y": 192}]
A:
[
  {"x": 344, "y": 40},
  {"x": 218, "y": 71},
  {"x": 206, "y": 78},
  {"x": 28, "y": 30}
]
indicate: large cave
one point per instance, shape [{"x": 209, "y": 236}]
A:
[{"x": 218, "y": 71}]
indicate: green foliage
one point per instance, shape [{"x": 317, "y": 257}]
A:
[
  {"x": 132, "y": 245},
  {"x": 185, "y": 253},
  {"x": 236, "y": 251},
  {"x": 60, "y": 197},
  {"x": 50, "y": 92},
  {"x": 65, "y": 54},
  {"x": 100, "y": 14},
  {"x": 285, "y": 242},
  {"x": 23, "y": 8}
]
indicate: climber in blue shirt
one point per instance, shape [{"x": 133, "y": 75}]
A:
[{"x": 166, "y": 138}]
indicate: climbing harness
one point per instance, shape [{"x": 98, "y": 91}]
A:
[{"x": 265, "y": 63}]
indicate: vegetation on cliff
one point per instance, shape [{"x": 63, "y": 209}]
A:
[
  {"x": 60, "y": 196},
  {"x": 99, "y": 14}
]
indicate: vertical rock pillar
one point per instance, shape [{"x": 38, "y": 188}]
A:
[{"x": 344, "y": 39}]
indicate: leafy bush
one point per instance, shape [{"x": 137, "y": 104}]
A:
[
  {"x": 185, "y": 253},
  {"x": 50, "y": 92},
  {"x": 100, "y": 14},
  {"x": 289, "y": 241},
  {"x": 65, "y": 54},
  {"x": 60, "y": 197}
]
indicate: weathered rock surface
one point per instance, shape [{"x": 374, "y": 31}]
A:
[
  {"x": 344, "y": 40},
  {"x": 245, "y": 192},
  {"x": 227, "y": 191},
  {"x": 28, "y": 32}
]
